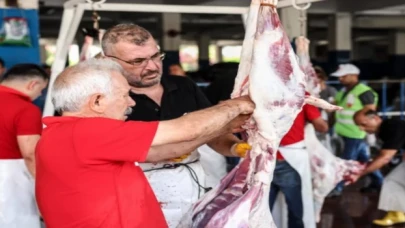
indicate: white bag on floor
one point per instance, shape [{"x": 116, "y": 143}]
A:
[
  {"x": 18, "y": 208},
  {"x": 392, "y": 196}
]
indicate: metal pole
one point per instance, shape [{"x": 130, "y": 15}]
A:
[
  {"x": 402, "y": 99},
  {"x": 70, "y": 23},
  {"x": 244, "y": 19},
  {"x": 165, "y": 8},
  {"x": 384, "y": 99}
]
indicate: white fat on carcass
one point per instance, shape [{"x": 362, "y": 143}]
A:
[{"x": 269, "y": 72}]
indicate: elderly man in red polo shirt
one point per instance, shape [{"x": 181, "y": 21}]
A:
[
  {"x": 86, "y": 175},
  {"x": 20, "y": 130}
]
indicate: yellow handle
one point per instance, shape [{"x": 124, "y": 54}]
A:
[{"x": 241, "y": 149}]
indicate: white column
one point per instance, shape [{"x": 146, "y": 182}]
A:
[
  {"x": 290, "y": 18},
  {"x": 219, "y": 53},
  {"x": 203, "y": 50},
  {"x": 397, "y": 54},
  {"x": 71, "y": 18},
  {"x": 340, "y": 32},
  {"x": 171, "y": 21},
  {"x": 397, "y": 43},
  {"x": 340, "y": 37}
]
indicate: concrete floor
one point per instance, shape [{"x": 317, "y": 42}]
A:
[{"x": 352, "y": 210}]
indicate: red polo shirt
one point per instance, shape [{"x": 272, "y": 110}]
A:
[
  {"x": 296, "y": 132},
  {"x": 86, "y": 176},
  {"x": 18, "y": 116}
]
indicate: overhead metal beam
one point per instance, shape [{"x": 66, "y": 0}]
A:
[
  {"x": 157, "y": 8},
  {"x": 379, "y": 22},
  {"x": 366, "y": 22},
  {"x": 362, "y": 5},
  {"x": 161, "y": 8}
]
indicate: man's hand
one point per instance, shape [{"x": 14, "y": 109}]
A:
[
  {"x": 235, "y": 126},
  {"x": 245, "y": 104},
  {"x": 353, "y": 178},
  {"x": 240, "y": 149}
]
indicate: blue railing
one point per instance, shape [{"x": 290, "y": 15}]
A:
[{"x": 385, "y": 109}]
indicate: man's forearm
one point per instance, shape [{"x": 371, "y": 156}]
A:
[
  {"x": 30, "y": 163},
  {"x": 224, "y": 143},
  {"x": 377, "y": 164},
  {"x": 174, "y": 150},
  {"x": 211, "y": 120},
  {"x": 204, "y": 123}
]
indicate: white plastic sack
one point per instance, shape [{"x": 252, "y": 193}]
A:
[
  {"x": 214, "y": 165},
  {"x": 392, "y": 196},
  {"x": 18, "y": 208}
]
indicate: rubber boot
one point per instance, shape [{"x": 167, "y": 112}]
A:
[{"x": 392, "y": 218}]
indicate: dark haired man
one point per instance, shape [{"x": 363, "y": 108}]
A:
[
  {"x": 20, "y": 130},
  {"x": 177, "y": 183},
  {"x": 392, "y": 133}
]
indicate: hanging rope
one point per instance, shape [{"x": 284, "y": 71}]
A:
[{"x": 302, "y": 18}]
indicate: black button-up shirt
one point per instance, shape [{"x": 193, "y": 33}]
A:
[
  {"x": 392, "y": 134},
  {"x": 181, "y": 95}
]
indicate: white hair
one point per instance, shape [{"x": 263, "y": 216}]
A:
[{"x": 74, "y": 86}]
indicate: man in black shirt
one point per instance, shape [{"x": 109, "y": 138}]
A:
[
  {"x": 180, "y": 182},
  {"x": 392, "y": 133}
]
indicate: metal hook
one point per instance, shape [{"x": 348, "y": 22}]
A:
[
  {"x": 294, "y": 4},
  {"x": 96, "y": 1},
  {"x": 96, "y": 18},
  {"x": 302, "y": 17}
]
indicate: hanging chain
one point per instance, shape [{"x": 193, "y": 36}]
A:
[
  {"x": 302, "y": 18},
  {"x": 303, "y": 22},
  {"x": 96, "y": 18}
]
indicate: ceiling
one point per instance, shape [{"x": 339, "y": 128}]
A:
[
  {"x": 335, "y": 5},
  {"x": 219, "y": 27}
]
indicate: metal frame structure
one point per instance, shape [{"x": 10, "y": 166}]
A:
[{"x": 73, "y": 13}]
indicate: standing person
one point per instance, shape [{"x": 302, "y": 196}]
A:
[
  {"x": 86, "y": 174},
  {"x": 292, "y": 175},
  {"x": 392, "y": 133},
  {"x": 353, "y": 97},
  {"x": 327, "y": 93},
  {"x": 20, "y": 130},
  {"x": 177, "y": 183}
]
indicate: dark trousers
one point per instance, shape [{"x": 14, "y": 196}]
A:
[{"x": 287, "y": 180}]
